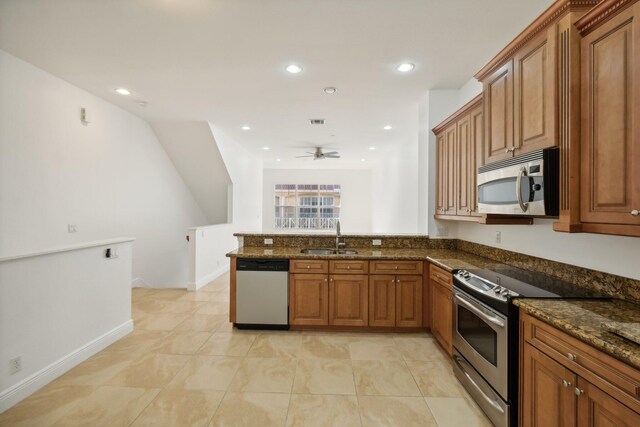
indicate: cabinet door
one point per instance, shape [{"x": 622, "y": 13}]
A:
[
  {"x": 498, "y": 114},
  {"x": 476, "y": 147},
  {"x": 382, "y": 300},
  {"x": 535, "y": 87},
  {"x": 442, "y": 320},
  {"x": 441, "y": 171},
  {"x": 451, "y": 169},
  {"x": 548, "y": 398},
  {"x": 596, "y": 408},
  {"x": 349, "y": 300},
  {"x": 611, "y": 121},
  {"x": 308, "y": 299},
  {"x": 408, "y": 301},
  {"x": 463, "y": 167}
]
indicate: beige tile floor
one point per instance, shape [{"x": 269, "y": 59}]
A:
[{"x": 185, "y": 365}]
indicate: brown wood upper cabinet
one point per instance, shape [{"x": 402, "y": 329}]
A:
[
  {"x": 458, "y": 143},
  {"x": 610, "y": 177},
  {"x": 520, "y": 100}
]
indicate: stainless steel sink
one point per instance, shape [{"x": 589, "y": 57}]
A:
[{"x": 328, "y": 252}]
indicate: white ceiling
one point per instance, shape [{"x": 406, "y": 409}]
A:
[{"x": 223, "y": 61}]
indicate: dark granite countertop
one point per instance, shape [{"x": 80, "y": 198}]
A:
[
  {"x": 445, "y": 258},
  {"x": 585, "y": 319}
]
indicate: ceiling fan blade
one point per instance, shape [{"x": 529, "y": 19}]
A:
[
  {"x": 298, "y": 157},
  {"x": 330, "y": 153},
  {"x": 332, "y": 157}
]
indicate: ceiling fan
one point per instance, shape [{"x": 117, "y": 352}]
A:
[{"x": 319, "y": 155}]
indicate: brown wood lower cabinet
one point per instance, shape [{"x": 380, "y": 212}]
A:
[
  {"x": 349, "y": 300},
  {"x": 565, "y": 382},
  {"x": 395, "y": 301},
  {"x": 309, "y": 299},
  {"x": 548, "y": 388},
  {"x": 441, "y": 288}
]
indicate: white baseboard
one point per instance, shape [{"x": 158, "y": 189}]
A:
[
  {"x": 139, "y": 282},
  {"x": 208, "y": 278},
  {"x": 32, "y": 383}
]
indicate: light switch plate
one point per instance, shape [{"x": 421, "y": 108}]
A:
[{"x": 268, "y": 241}]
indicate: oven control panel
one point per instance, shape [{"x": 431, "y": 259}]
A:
[{"x": 478, "y": 284}]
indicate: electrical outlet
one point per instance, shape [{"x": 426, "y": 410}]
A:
[
  {"x": 268, "y": 241},
  {"x": 498, "y": 237},
  {"x": 376, "y": 242},
  {"x": 15, "y": 365},
  {"x": 71, "y": 228}
]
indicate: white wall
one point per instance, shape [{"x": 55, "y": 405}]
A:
[
  {"x": 245, "y": 171},
  {"x": 395, "y": 189},
  {"x": 58, "y": 309},
  {"x": 355, "y": 210},
  {"x": 110, "y": 178},
  {"x": 207, "y": 253},
  {"x": 195, "y": 155}
]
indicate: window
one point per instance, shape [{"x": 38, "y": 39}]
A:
[{"x": 307, "y": 206}]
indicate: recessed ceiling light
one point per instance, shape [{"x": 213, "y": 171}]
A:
[
  {"x": 362, "y": 160},
  {"x": 387, "y": 127},
  {"x": 293, "y": 68},
  {"x": 245, "y": 127},
  {"x": 372, "y": 148},
  {"x": 406, "y": 67},
  {"x": 265, "y": 148},
  {"x": 330, "y": 89},
  {"x": 277, "y": 160},
  {"x": 123, "y": 91}
]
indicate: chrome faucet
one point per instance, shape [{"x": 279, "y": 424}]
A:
[{"x": 338, "y": 237}]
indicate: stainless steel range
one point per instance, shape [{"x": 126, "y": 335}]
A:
[{"x": 485, "y": 334}]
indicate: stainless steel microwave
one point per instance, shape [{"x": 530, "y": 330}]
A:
[{"x": 523, "y": 185}]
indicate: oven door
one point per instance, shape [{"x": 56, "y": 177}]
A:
[
  {"x": 480, "y": 335},
  {"x": 512, "y": 190}
]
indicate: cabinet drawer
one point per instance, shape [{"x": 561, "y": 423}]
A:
[
  {"x": 396, "y": 267},
  {"x": 348, "y": 267},
  {"x": 613, "y": 376},
  {"x": 308, "y": 266},
  {"x": 441, "y": 276}
]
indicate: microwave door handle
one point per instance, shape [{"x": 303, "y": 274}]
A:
[
  {"x": 523, "y": 205},
  {"x": 480, "y": 313}
]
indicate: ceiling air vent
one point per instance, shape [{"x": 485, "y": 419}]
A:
[{"x": 316, "y": 121}]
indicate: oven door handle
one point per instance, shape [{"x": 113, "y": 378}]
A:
[
  {"x": 489, "y": 400},
  {"x": 523, "y": 172},
  {"x": 480, "y": 313}
]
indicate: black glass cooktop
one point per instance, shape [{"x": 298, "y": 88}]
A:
[{"x": 529, "y": 284}]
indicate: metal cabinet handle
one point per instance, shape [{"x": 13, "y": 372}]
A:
[
  {"x": 572, "y": 357},
  {"x": 635, "y": 212},
  {"x": 578, "y": 391},
  {"x": 506, "y": 150},
  {"x": 566, "y": 383}
]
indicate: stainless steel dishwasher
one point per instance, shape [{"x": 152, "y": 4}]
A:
[{"x": 262, "y": 293}]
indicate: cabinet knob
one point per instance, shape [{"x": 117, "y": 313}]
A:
[
  {"x": 331, "y": 280},
  {"x": 348, "y": 267},
  {"x": 325, "y": 280},
  {"x": 566, "y": 383},
  {"x": 308, "y": 267},
  {"x": 393, "y": 281},
  {"x": 397, "y": 280},
  {"x": 572, "y": 357},
  {"x": 507, "y": 150},
  {"x": 635, "y": 212},
  {"x": 578, "y": 391},
  {"x": 396, "y": 267}
]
